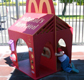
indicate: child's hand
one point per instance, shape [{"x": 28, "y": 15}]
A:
[
  {"x": 56, "y": 54},
  {"x": 59, "y": 54}
]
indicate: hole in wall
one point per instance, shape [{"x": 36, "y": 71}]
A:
[
  {"x": 62, "y": 42},
  {"x": 22, "y": 51},
  {"x": 46, "y": 52}
]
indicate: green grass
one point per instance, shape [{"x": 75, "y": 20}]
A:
[{"x": 71, "y": 17}]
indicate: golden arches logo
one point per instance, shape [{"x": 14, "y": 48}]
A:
[
  {"x": 39, "y": 10},
  {"x": 35, "y": 5}
]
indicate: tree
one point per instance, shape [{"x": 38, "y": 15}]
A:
[
  {"x": 65, "y": 4},
  {"x": 69, "y": 1}
]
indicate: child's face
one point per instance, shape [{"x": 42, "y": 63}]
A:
[{"x": 45, "y": 51}]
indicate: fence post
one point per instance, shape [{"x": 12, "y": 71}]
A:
[
  {"x": 17, "y": 14},
  {"x": 17, "y": 9}
]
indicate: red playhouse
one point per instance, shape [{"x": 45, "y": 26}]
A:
[{"x": 39, "y": 27}]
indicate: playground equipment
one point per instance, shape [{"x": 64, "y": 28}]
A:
[{"x": 40, "y": 28}]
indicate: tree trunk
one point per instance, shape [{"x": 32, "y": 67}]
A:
[{"x": 64, "y": 10}]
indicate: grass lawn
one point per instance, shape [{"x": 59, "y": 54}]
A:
[{"x": 71, "y": 16}]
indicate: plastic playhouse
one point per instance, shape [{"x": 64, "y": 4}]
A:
[{"x": 39, "y": 27}]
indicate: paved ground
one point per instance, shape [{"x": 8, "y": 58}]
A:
[{"x": 7, "y": 72}]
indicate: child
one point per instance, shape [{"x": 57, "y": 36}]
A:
[
  {"x": 64, "y": 59},
  {"x": 46, "y": 52}
]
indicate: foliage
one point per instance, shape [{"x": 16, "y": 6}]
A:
[
  {"x": 12, "y": 3},
  {"x": 7, "y": 3},
  {"x": 66, "y": 1},
  {"x": 79, "y": 2},
  {"x": 54, "y": 3},
  {"x": 7, "y": 0},
  {"x": 22, "y": 3}
]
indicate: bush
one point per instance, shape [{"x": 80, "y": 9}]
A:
[
  {"x": 7, "y": 0},
  {"x": 7, "y": 3},
  {"x": 80, "y": 4},
  {"x": 54, "y": 3},
  {"x": 12, "y": 3},
  {"x": 22, "y": 3}
]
